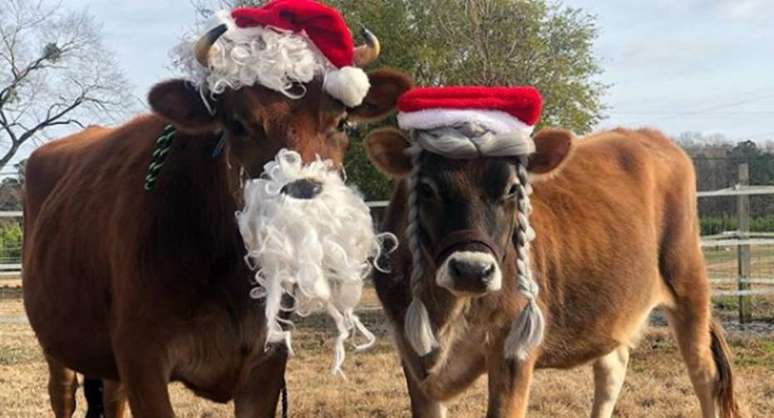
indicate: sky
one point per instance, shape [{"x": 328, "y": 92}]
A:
[
  {"x": 688, "y": 65},
  {"x": 678, "y": 65}
]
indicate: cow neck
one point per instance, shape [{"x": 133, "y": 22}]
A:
[
  {"x": 195, "y": 200},
  {"x": 445, "y": 311}
]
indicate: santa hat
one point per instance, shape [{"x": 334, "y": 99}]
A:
[
  {"x": 502, "y": 110},
  {"x": 282, "y": 43}
]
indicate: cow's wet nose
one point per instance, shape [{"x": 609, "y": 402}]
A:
[
  {"x": 303, "y": 189},
  {"x": 477, "y": 271}
]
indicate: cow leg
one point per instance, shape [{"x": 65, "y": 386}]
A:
[
  {"x": 259, "y": 395},
  {"x": 148, "y": 394},
  {"x": 114, "y": 398},
  {"x": 145, "y": 378},
  {"x": 92, "y": 391},
  {"x": 701, "y": 341},
  {"x": 62, "y": 383},
  {"x": 609, "y": 375},
  {"x": 509, "y": 382},
  {"x": 691, "y": 329},
  {"x": 422, "y": 406}
]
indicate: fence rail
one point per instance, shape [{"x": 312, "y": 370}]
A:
[
  {"x": 738, "y": 190},
  {"x": 742, "y": 240}
]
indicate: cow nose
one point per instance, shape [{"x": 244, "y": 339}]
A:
[
  {"x": 467, "y": 270},
  {"x": 303, "y": 189}
]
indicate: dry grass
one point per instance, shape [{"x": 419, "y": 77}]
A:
[{"x": 657, "y": 385}]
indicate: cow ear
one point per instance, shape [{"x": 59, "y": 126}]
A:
[
  {"x": 386, "y": 87},
  {"x": 387, "y": 150},
  {"x": 180, "y": 102},
  {"x": 552, "y": 149}
]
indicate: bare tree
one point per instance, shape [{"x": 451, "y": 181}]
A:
[
  {"x": 54, "y": 71},
  {"x": 205, "y": 8}
]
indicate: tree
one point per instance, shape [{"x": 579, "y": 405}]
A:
[
  {"x": 54, "y": 71},
  {"x": 484, "y": 42}
]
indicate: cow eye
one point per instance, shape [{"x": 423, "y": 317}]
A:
[
  {"x": 425, "y": 190},
  {"x": 513, "y": 191},
  {"x": 237, "y": 128},
  {"x": 343, "y": 125}
]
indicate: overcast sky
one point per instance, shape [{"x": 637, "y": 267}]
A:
[{"x": 678, "y": 65}]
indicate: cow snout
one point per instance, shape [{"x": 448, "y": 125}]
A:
[
  {"x": 303, "y": 189},
  {"x": 471, "y": 270},
  {"x": 468, "y": 272}
]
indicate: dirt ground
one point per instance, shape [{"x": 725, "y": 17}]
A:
[{"x": 656, "y": 386}]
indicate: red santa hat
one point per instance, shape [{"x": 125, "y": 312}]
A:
[
  {"x": 283, "y": 42},
  {"x": 322, "y": 24},
  {"x": 502, "y": 110}
]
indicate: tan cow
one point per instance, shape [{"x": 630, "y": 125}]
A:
[
  {"x": 152, "y": 287},
  {"x": 616, "y": 236}
]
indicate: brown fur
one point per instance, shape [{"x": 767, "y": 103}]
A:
[
  {"x": 150, "y": 287},
  {"x": 617, "y": 235},
  {"x": 721, "y": 353}
]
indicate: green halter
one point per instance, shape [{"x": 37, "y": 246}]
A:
[{"x": 159, "y": 157}]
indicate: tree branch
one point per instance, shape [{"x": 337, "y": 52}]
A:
[
  {"x": 7, "y": 127},
  {"x": 50, "y": 120},
  {"x": 5, "y": 93}
]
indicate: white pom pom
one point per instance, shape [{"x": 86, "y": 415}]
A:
[{"x": 348, "y": 84}]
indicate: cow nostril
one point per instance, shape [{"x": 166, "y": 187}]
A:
[
  {"x": 488, "y": 272},
  {"x": 303, "y": 189},
  {"x": 464, "y": 269},
  {"x": 454, "y": 268}
]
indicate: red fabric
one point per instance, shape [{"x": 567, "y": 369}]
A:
[
  {"x": 324, "y": 25},
  {"x": 524, "y": 103}
]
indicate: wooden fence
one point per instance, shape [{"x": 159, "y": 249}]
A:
[{"x": 742, "y": 239}]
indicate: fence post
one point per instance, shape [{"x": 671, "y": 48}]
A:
[{"x": 743, "y": 251}]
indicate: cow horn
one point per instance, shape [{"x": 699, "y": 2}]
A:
[
  {"x": 366, "y": 54},
  {"x": 203, "y": 45}
]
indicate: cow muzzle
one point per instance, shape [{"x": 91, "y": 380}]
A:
[
  {"x": 304, "y": 189},
  {"x": 469, "y": 264}
]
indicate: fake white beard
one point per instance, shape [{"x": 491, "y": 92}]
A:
[{"x": 317, "y": 251}]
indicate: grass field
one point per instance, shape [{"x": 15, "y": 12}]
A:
[
  {"x": 722, "y": 261},
  {"x": 656, "y": 386}
]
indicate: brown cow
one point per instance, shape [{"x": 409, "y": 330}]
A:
[
  {"x": 152, "y": 287},
  {"x": 616, "y": 225}
]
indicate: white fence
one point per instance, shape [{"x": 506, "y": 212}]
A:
[{"x": 742, "y": 240}]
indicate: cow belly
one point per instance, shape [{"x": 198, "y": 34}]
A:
[
  {"x": 598, "y": 326},
  {"x": 69, "y": 313}
]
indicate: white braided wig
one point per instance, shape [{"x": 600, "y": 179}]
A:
[
  {"x": 315, "y": 251},
  {"x": 468, "y": 140}
]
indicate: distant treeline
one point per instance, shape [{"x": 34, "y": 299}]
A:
[
  {"x": 717, "y": 167},
  {"x": 10, "y": 242},
  {"x": 716, "y": 163},
  {"x": 711, "y": 225}
]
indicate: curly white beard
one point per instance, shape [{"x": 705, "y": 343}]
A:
[{"x": 317, "y": 251}]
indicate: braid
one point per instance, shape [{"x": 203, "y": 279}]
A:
[
  {"x": 412, "y": 230},
  {"x": 527, "y": 329},
  {"x": 417, "y": 327}
]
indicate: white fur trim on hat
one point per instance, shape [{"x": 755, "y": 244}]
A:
[
  {"x": 495, "y": 120},
  {"x": 348, "y": 84}
]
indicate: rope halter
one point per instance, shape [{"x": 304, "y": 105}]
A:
[{"x": 470, "y": 140}]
